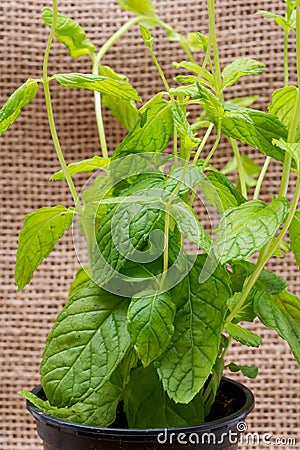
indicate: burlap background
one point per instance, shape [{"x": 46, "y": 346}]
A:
[{"x": 28, "y": 160}]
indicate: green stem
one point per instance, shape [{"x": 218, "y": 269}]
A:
[
  {"x": 211, "y": 153},
  {"x": 99, "y": 118},
  {"x": 51, "y": 116},
  {"x": 166, "y": 248},
  {"x": 261, "y": 178},
  {"x": 286, "y": 58},
  {"x": 203, "y": 142},
  {"x": 239, "y": 166},
  {"x": 159, "y": 69},
  {"x": 296, "y": 114},
  {"x": 214, "y": 44}
]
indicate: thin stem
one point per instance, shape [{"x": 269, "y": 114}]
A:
[
  {"x": 261, "y": 177},
  {"x": 166, "y": 248},
  {"x": 239, "y": 166},
  {"x": 211, "y": 153},
  {"x": 214, "y": 44},
  {"x": 286, "y": 57},
  {"x": 99, "y": 118},
  {"x": 51, "y": 116},
  {"x": 159, "y": 69},
  {"x": 203, "y": 142},
  {"x": 296, "y": 114}
]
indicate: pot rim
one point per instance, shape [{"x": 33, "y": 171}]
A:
[{"x": 81, "y": 429}]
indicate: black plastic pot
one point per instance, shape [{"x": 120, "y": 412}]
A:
[{"x": 220, "y": 434}]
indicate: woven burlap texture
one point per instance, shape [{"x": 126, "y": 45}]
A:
[{"x": 28, "y": 160}]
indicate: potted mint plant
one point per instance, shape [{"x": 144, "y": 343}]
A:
[{"x": 137, "y": 354}]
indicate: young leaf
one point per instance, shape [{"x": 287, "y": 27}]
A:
[
  {"x": 124, "y": 111},
  {"x": 98, "y": 409},
  {"x": 153, "y": 130},
  {"x": 139, "y": 7},
  {"x": 253, "y": 127},
  {"x": 250, "y": 169},
  {"x": 11, "y": 110},
  {"x": 82, "y": 278},
  {"x": 292, "y": 149},
  {"x": 189, "y": 226},
  {"x": 201, "y": 307},
  {"x": 220, "y": 192},
  {"x": 283, "y": 104},
  {"x": 246, "y": 313},
  {"x": 150, "y": 324},
  {"x": 147, "y": 405},
  {"x": 187, "y": 177},
  {"x": 294, "y": 232},
  {"x": 98, "y": 83},
  {"x": 239, "y": 68},
  {"x": 245, "y": 229},
  {"x": 281, "y": 313},
  {"x": 40, "y": 232},
  {"x": 268, "y": 282},
  {"x": 78, "y": 358},
  {"x": 248, "y": 371},
  {"x": 283, "y": 22},
  {"x": 245, "y": 337},
  {"x": 243, "y": 101},
  {"x": 188, "y": 140},
  {"x": 69, "y": 33},
  {"x": 85, "y": 166}
]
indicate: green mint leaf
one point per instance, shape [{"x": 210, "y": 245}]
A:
[
  {"x": 245, "y": 337},
  {"x": 283, "y": 104},
  {"x": 239, "y": 68},
  {"x": 78, "y": 358},
  {"x": 283, "y": 22},
  {"x": 255, "y": 128},
  {"x": 107, "y": 85},
  {"x": 69, "y": 33},
  {"x": 246, "y": 313},
  {"x": 248, "y": 371},
  {"x": 281, "y": 313},
  {"x": 11, "y": 110},
  {"x": 82, "y": 278},
  {"x": 268, "y": 282},
  {"x": 147, "y": 36},
  {"x": 220, "y": 192},
  {"x": 147, "y": 405},
  {"x": 294, "y": 232},
  {"x": 187, "y": 138},
  {"x": 150, "y": 324},
  {"x": 187, "y": 177},
  {"x": 85, "y": 166},
  {"x": 189, "y": 226},
  {"x": 243, "y": 101},
  {"x": 113, "y": 236},
  {"x": 124, "y": 111},
  {"x": 40, "y": 232},
  {"x": 245, "y": 229},
  {"x": 292, "y": 149},
  {"x": 153, "y": 130},
  {"x": 99, "y": 409},
  {"x": 139, "y": 7},
  {"x": 201, "y": 307},
  {"x": 250, "y": 169}
]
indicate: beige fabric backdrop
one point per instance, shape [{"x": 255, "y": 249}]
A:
[{"x": 27, "y": 160}]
